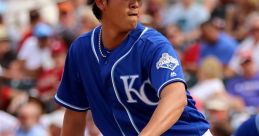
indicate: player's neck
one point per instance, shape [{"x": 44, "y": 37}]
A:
[{"x": 112, "y": 37}]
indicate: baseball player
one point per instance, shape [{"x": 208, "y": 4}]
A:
[{"x": 129, "y": 76}]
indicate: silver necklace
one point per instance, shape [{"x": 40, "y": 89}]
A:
[{"x": 99, "y": 42}]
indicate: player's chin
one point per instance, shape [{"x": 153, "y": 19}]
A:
[{"x": 132, "y": 24}]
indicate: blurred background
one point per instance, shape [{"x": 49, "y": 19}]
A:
[{"x": 216, "y": 40}]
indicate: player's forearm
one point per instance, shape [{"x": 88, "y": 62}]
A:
[
  {"x": 162, "y": 119},
  {"x": 169, "y": 110},
  {"x": 74, "y": 123}
]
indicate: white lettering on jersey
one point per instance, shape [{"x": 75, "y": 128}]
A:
[
  {"x": 167, "y": 61},
  {"x": 173, "y": 74},
  {"x": 128, "y": 86}
]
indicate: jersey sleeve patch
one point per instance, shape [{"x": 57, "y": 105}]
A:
[
  {"x": 168, "y": 62},
  {"x": 165, "y": 67}
]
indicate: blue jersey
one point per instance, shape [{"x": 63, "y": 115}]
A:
[
  {"x": 249, "y": 128},
  {"x": 123, "y": 89}
]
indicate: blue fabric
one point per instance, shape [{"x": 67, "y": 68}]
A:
[
  {"x": 42, "y": 30},
  {"x": 3, "y": 7},
  {"x": 248, "y": 128},
  {"x": 123, "y": 89},
  {"x": 37, "y": 130},
  {"x": 223, "y": 49},
  {"x": 246, "y": 88}
]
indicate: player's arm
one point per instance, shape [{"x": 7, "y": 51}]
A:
[
  {"x": 74, "y": 123},
  {"x": 171, "y": 105},
  {"x": 71, "y": 93}
]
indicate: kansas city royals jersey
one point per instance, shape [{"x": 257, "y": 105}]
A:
[{"x": 122, "y": 90}]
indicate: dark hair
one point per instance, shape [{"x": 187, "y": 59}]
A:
[
  {"x": 34, "y": 16},
  {"x": 206, "y": 23},
  {"x": 210, "y": 22},
  {"x": 1, "y": 18},
  {"x": 38, "y": 102},
  {"x": 97, "y": 12}
]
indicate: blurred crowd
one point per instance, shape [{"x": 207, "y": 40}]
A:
[{"x": 216, "y": 40}]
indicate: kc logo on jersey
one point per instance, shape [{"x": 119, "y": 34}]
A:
[
  {"x": 128, "y": 86},
  {"x": 167, "y": 62}
]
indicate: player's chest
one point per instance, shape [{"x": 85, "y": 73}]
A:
[
  {"x": 125, "y": 77},
  {"x": 126, "y": 71}
]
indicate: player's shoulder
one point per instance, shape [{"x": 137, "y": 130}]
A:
[
  {"x": 152, "y": 39},
  {"x": 86, "y": 35},
  {"x": 82, "y": 41},
  {"x": 84, "y": 38}
]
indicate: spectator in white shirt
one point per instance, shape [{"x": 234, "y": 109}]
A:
[{"x": 35, "y": 52}]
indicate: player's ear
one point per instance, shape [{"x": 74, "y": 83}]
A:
[{"x": 101, "y": 4}]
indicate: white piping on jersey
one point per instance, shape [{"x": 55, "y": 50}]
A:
[
  {"x": 92, "y": 44},
  {"x": 70, "y": 105},
  {"x": 118, "y": 124},
  {"x": 171, "y": 80},
  {"x": 257, "y": 122},
  {"x": 113, "y": 82}
]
